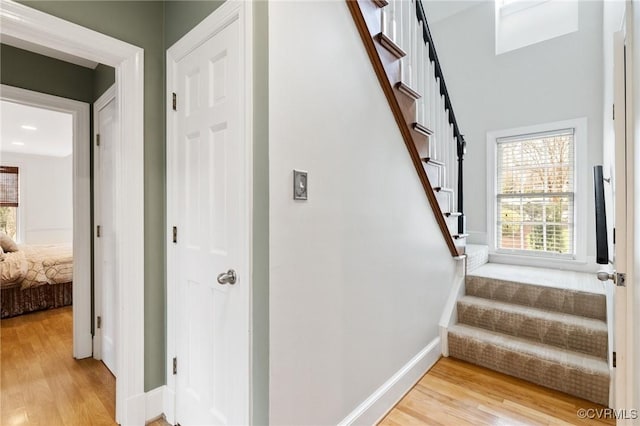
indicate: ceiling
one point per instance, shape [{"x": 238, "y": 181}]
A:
[
  {"x": 438, "y": 10},
  {"x": 47, "y": 132}
]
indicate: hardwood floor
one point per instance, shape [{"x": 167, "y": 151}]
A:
[
  {"x": 457, "y": 393},
  {"x": 41, "y": 382}
]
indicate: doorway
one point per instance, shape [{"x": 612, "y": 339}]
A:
[{"x": 40, "y": 29}]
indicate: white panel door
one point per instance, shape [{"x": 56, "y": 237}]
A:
[
  {"x": 104, "y": 200},
  {"x": 211, "y": 317}
]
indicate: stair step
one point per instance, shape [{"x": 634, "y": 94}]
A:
[
  {"x": 391, "y": 46},
  {"x": 408, "y": 90},
  {"x": 381, "y": 3},
  {"x": 442, "y": 189},
  {"x": 430, "y": 160},
  {"x": 460, "y": 236},
  {"x": 577, "y": 374},
  {"x": 570, "y": 332},
  {"x": 422, "y": 129},
  {"x": 453, "y": 214},
  {"x": 568, "y": 301}
]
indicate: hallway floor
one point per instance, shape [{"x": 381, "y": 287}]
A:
[
  {"x": 41, "y": 382},
  {"x": 456, "y": 392}
]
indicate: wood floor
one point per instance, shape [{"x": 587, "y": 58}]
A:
[
  {"x": 41, "y": 382},
  {"x": 457, "y": 393}
]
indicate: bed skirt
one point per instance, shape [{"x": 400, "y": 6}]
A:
[{"x": 15, "y": 301}]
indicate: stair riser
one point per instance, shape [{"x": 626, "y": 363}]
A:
[
  {"x": 572, "y": 302},
  {"x": 549, "y": 332},
  {"x": 583, "y": 384}
]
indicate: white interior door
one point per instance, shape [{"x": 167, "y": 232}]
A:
[
  {"x": 623, "y": 246},
  {"x": 104, "y": 236},
  {"x": 212, "y": 331}
]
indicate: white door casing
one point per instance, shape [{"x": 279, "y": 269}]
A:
[
  {"x": 209, "y": 201},
  {"x": 24, "y": 23},
  {"x": 81, "y": 206},
  {"x": 105, "y": 125}
]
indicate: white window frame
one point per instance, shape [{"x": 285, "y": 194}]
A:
[
  {"x": 581, "y": 195},
  {"x": 20, "y": 212}
]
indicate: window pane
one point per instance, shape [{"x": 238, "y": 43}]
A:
[
  {"x": 8, "y": 221},
  {"x": 535, "y": 184}
]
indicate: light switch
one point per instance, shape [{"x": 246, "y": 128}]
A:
[{"x": 299, "y": 185}]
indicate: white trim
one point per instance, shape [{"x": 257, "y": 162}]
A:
[
  {"x": 450, "y": 312},
  {"x": 580, "y": 197},
  {"x": 209, "y": 27},
  {"x": 378, "y": 404},
  {"x": 154, "y": 405},
  {"x": 100, "y": 103},
  {"x": 33, "y": 26},
  {"x": 81, "y": 206}
]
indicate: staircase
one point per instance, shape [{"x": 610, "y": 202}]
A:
[
  {"x": 554, "y": 335},
  {"x": 401, "y": 49}
]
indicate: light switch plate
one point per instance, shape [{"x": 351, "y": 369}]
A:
[{"x": 299, "y": 185}]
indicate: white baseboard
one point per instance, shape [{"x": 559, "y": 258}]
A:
[
  {"x": 386, "y": 396},
  {"x": 154, "y": 406},
  {"x": 134, "y": 414},
  {"x": 169, "y": 404}
]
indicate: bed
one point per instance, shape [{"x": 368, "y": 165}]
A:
[{"x": 34, "y": 278}]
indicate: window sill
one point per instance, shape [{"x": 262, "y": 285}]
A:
[{"x": 579, "y": 264}]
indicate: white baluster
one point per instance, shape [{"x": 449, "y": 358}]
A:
[
  {"x": 419, "y": 73},
  {"x": 414, "y": 46}
]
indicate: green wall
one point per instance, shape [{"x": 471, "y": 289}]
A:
[
  {"x": 155, "y": 26},
  {"x": 39, "y": 73}
]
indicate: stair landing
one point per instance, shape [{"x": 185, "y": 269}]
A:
[{"x": 567, "y": 280}]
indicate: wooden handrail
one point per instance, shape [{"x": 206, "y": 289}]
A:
[{"x": 366, "y": 16}]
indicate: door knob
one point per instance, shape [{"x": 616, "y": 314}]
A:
[
  {"x": 606, "y": 276},
  {"x": 228, "y": 277}
]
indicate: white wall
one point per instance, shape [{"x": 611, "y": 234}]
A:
[
  {"x": 46, "y": 198},
  {"x": 554, "y": 80},
  {"x": 359, "y": 273}
]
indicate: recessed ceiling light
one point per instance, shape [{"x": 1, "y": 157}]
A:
[
  {"x": 17, "y": 143},
  {"x": 29, "y": 127}
]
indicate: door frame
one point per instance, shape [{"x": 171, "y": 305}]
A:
[
  {"x": 230, "y": 11},
  {"x": 101, "y": 102},
  {"x": 36, "y": 27},
  {"x": 79, "y": 112}
]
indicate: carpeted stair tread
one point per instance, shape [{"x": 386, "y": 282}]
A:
[
  {"x": 567, "y": 371},
  {"x": 571, "y": 332},
  {"x": 568, "y": 301}
]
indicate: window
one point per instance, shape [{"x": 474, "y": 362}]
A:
[
  {"x": 9, "y": 201},
  {"x": 535, "y": 193},
  {"x": 521, "y": 23}
]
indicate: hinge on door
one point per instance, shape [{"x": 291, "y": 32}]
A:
[
  {"x": 98, "y": 231},
  {"x": 621, "y": 279},
  {"x": 175, "y": 365},
  {"x": 98, "y": 139},
  {"x": 175, "y": 234},
  {"x": 99, "y": 322},
  {"x": 613, "y": 111},
  {"x": 175, "y": 101},
  {"x": 613, "y": 359}
]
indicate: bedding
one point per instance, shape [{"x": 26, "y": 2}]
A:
[
  {"x": 35, "y": 277},
  {"x": 36, "y": 265}
]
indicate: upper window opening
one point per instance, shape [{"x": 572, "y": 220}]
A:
[{"x": 521, "y": 23}]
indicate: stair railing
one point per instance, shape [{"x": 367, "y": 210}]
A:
[{"x": 404, "y": 23}]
